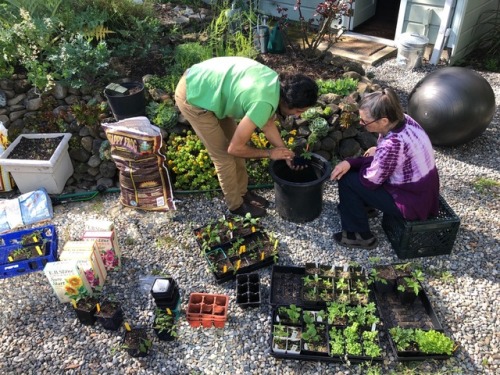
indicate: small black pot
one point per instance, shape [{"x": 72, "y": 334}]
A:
[
  {"x": 127, "y": 105},
  {"x": 136, "y": 342},
  {"x": 110, "y": 316},
  {"x": 164, "y": 335},
  {"x": 85, "y": 311}
]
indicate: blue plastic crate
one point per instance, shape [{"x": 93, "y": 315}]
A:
[{"x": 10, "y": 242}]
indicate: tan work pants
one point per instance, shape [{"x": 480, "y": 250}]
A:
[{"x": 215, "y": 135}]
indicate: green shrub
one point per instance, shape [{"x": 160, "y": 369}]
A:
[
  {"x": 163, "y": 115},
  {"x": 189, "y": 161},
  {"x": 319, "y": 126},
  {"x": 188, "y": 54}
]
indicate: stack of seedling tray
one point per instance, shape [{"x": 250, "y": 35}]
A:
[
  {"x": 27, "y": 250},
  {"x": 235, "y": 246},
  {"x": 343, "y": 327}
]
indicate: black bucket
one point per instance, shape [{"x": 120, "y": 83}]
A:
[
  {"x": 299, "y": 194},
  {"x": 125, "y": 106}
]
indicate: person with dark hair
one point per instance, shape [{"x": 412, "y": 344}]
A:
[
  {"x": 225, "y": 99},
  {"x": 398, "y": 177}
]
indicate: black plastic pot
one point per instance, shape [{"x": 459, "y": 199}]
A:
[
  {"x": 136, "y": 342},
  {"x": 124, "y": 105},
  {"x": 110, "y": 316},
  {"x": 299, "y": 193},
  {"x": 169, "y": 298},
  {"x": 85, "y": 311}
]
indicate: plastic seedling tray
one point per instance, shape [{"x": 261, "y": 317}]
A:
[
  {"x": 420, "y": 314},
  {"x": 286, "y": 285},
  {"x": 244, "y": 261}
]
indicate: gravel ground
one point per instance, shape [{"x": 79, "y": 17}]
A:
[{"x": 38, "y": 335}]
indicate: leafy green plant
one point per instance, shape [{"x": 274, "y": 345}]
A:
[
  {"x": 336, "y": 311},
  {"x": 312, "y": 113},
  {"x": 341, "y": 86},
  {"x": 337, "y": 341},
  {"x": 163, "y": 114},
  {"x": 485, "y": 185},
  {"x": 165, "y": 322},
  {"x": 188, "y": 54},
  {"x": 189, "y": 161},
  {"x": 433, "y": 342},
  {"x": 352, "y": 340},
  {"x": 370, "y": 345},
  {"x": 412, "y": 282},
  {"x": 292, "y": 312},
  {"x": 279, "y": 330},
  {"x": 402, "y": 337}
]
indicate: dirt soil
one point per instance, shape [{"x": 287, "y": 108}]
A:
[{"x": 35, "y": 148}]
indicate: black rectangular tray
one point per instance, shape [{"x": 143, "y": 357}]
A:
[
  {"x": 318, "y": 357},
  {"x": 286, "y": 285},
  {"x": 420, "y": 314}
]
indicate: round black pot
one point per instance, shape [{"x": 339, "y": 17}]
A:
[
  {"x": 124, "y": 106},
  {"x": 299, "y": 193}
]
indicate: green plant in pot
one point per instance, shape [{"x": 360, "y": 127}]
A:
[
  {"x": 290, "y": 314},
  {"x": 164, "y": 325},
  {"x": 408, "y": 288},
  {"x": 136, "y": 342}
]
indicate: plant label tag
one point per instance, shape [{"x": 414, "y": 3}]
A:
[
  {"x": 374, "y": 327},
  {"x": 243, "y": 248},
  {"x": 224, "y": 269},
  {"x": 294, "y": 335},
  {"x": 262, "y": 256},
  {"x": 253, "y": 229},
  {"x": 168, "y": 311},
  {"x": 294, "y": 348},
  {"x": 116, "y": 87},
  {"x": 98, "y": 307},
  {"x": 346, "y": 267},
  {"x": 127, "y": 326}
]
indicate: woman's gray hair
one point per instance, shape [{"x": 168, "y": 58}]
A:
[{"x": 384, "y": 103}]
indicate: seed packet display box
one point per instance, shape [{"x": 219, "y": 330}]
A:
[{"x": 10, "y": 242}]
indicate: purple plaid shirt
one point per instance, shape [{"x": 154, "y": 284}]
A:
[{"x": 404, "y": 165}]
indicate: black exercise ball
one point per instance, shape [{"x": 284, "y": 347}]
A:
[{"x": 454, "y": 105}]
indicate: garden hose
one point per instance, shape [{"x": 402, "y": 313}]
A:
[{"x": 88, "y": 195}]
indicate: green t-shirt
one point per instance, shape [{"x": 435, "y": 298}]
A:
[{"x": 234, "y": 87}]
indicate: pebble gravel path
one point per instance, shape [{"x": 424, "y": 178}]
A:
[{"x": 38, "y": 335}]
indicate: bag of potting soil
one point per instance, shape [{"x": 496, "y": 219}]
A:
[{"x": 144, "y": 178}]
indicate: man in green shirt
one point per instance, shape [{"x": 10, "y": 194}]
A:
[{"x": 214, "y": 94}]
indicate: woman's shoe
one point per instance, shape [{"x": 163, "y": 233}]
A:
[{"x": 354, "y": 239}]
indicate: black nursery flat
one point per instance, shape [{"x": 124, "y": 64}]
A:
[{"x": 354, "y": 239}]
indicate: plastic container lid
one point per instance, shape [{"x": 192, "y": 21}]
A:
[
  {"x": 161, "y": 285},
  {"x": 412, "y": 40}
]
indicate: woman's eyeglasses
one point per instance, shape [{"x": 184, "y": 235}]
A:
[{"x": 363, "y": 123}]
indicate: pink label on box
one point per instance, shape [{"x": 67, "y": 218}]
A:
[{"x": 108, "y": 247}]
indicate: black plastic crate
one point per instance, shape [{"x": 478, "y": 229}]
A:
[{"x": 413, "y": 239}]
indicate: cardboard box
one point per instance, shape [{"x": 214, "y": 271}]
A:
[
  {"x": 98, "y": 225},
  {"x": 89, "y": 260},
  {"x": 67, "y": 279},
  {"x": 108, "y": 247}
]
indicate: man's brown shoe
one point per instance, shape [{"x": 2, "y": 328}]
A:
[
  {"x": 256, "y": 200},
  {"x": 249, "y": 208}
]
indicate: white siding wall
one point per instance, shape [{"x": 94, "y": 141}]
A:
[{"x": 467, "y": 27}]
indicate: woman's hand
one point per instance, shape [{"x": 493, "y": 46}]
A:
[
  {"x": 340, "y": 169},
  {"x": 370, "y": 151}
]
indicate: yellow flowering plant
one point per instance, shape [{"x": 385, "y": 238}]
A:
[{"x": 74, "y": 288}]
